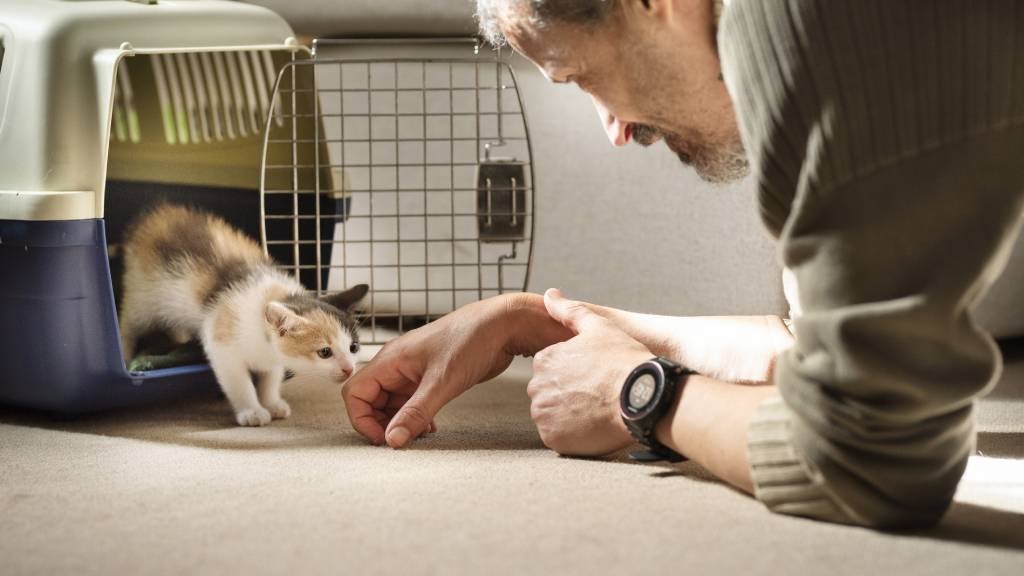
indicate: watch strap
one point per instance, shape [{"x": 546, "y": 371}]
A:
[{"x": 656, "y": 451}]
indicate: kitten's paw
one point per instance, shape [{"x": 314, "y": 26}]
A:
[
  {"x": 257, "y": 417},
  {"x": 279, "y": 409}
]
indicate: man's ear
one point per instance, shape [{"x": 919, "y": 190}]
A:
[
  {"x": 660, "y": 9},
  {"x": 347, "y": 299},
  {"x": 282, "y": 319}
]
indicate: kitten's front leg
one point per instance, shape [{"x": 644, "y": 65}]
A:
[
  {"x": 233, "y": 377},
  {"x": 269, "y": 384}
]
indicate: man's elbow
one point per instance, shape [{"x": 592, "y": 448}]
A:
[
  {"x": 897, "y": 497},
  {"x": 871, "y": 476}
]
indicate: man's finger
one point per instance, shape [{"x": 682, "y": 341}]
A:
[
  {"x": 366, "y": 420},
  {"x": 415, "y": 416},
  {"x": 396, "y": 401},
  {"x": 365, "y": 394},
  {"x": 573, "y": 314}
]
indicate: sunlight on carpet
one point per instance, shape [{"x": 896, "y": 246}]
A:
[{"x": 993, "y": 482}]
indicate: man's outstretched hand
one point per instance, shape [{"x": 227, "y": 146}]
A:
[
  {"x": 583, "y": 360},
  {"x": 395, "y": 397}
]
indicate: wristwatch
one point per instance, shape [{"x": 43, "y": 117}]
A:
[{"x": 646, "y": 396}]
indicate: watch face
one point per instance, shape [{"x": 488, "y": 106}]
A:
[{"x": 641, "y": 392}]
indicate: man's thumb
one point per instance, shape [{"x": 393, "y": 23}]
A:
[
  {"x": 411, "y": 420},
  {"x": 573, "y": 314}
]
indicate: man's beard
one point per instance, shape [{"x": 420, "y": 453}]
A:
[{"x": 717, "y": 165}]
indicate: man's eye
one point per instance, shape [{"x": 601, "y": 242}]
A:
[
  {"x": 354, "y": 347},
  {"x": 325, "y": 353}
]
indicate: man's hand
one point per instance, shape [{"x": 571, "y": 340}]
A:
[
  {"x": 575, "y": 388},
  {"x": 395, "y": 397}
]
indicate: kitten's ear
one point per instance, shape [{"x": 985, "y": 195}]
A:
[
  {"x": 348, "y": 298},
  {"x": 282, "y": 319}
]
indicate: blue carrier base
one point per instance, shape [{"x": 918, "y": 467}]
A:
[{"x": 60, "y": 346}]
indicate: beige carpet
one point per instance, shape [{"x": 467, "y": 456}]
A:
[{"x": 179, "y": 489}]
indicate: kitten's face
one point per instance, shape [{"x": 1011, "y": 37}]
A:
[{"x": 314, "y": 339}]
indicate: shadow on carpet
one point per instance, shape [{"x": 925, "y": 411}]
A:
[
  {"x": 492, "y": 416},
  {"x": 978, "y": 526}
]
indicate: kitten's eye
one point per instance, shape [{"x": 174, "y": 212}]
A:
[
  {"x": 354, "y": 347},
  {"x": 325, "y": 353}
]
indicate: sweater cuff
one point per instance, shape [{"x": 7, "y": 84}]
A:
[{"x": 783, "y": 481}]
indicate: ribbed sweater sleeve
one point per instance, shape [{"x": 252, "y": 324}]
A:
[{"x": 886, "y": 139}]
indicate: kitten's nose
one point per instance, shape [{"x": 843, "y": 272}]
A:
[{"x": 346, "y": 371}]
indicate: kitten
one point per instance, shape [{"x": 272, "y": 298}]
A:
[{"x": 191, "y": 274}]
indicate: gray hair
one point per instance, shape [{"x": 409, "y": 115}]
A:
[{"x": 539, "y": 13}]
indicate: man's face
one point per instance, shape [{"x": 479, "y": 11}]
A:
[{"x": 650, "y": 79}]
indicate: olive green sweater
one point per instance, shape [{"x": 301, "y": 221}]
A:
[{"x": 887, "y": 145}]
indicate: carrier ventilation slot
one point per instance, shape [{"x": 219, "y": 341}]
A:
[
  {"x": 126, "y": 117},
  {"x": 204, "y": 97}
]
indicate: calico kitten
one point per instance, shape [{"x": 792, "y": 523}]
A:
[{"x": 191, "y": 274}]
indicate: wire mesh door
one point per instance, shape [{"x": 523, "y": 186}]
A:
[{"x": 406, "y": 187}]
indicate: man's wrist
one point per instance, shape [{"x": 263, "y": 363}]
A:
[
  {"x": 648, "y": 397},
  {"x": 530, "y": 328}
]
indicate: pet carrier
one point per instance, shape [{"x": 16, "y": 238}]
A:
[{"x": 363, "y": 167}]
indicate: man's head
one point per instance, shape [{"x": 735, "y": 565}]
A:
[{"x": 651, "y": 67}]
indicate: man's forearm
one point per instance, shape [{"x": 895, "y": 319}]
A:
[
  {"x": 730, "y": 348},
  {"x": 708, "y": 424}
]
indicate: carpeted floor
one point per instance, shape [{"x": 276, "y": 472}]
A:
[{"x": 179, "y": 489}]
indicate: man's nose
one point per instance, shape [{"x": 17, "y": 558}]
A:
[{"x": 619, "y": 132}]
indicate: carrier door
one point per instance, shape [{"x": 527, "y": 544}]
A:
[{"x": 391, "y": 194}]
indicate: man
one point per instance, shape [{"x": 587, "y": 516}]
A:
[{"x": 884, "y": 140}]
